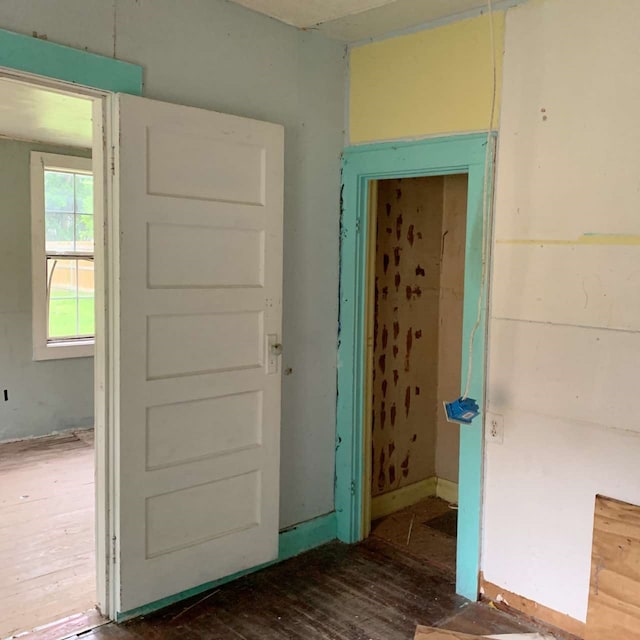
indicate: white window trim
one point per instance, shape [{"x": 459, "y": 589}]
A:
[{"x": 42, "y": 348}]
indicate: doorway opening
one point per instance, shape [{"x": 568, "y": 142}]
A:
[
  {"x": 52, "y": 490},
  {"x": 188, "y": 291},
  {"x": 472, "y": 156},
  {"x": 416, "y": 268}
]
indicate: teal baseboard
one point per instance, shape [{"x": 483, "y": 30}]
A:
[
  {"x": 292, "y": 542},
  {"x": 306, "y": 535}
]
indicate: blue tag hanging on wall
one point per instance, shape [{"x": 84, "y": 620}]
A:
[{"x": 461, "y": 411}]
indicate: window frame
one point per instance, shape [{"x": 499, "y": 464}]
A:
[{"x": 43, "y": 348}]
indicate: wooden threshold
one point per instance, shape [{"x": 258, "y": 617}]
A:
[{"x": 69, "y": 626}]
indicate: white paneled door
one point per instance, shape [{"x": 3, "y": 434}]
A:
[{"x": 197, "y": 322}]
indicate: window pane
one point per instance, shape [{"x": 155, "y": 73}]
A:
[
  {"x": 84, "y": 233},
  {"x": 63, "y": 303},
  {"x": 86, "y": 298},
  {"x": 61, "y": 274},
  {"x": 62, "y": 318},
  {"x": 86, "y": 287},
  {"x": 84, "y": 193},
  {"x": 58, "y": 191},
  {"x": 59, "y": 231},
  {"x": 71, "y": 298}
]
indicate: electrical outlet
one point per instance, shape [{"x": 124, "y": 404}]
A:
[{"x": 494, "y": 428}]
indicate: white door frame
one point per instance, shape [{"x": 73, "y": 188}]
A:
[{"x": 106, "y": 317}]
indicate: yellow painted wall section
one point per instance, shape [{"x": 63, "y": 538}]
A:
[{"x": 434, "y": 81}]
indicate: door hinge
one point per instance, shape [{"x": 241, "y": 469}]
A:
[
  {"x": 113, "y": 161},
  {"x": 353, "y": 488},
  {"x": 113, "y": 549},
  {"x": 358, "y": 225}
]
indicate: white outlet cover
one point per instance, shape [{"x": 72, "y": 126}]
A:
[{"x": 494, "y": 428}]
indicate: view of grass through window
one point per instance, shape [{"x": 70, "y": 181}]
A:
[{"x": 69, "y": 249}]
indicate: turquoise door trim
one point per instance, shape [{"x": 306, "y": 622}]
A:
[
  {"x": 436, "y": 156},
  {"x": 292, "y": 542},
  {"x": 44, "y": 58}
]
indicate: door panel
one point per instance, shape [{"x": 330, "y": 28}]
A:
[{"x": 197, "y": 409}]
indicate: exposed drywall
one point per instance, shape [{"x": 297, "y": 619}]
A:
[
  {"x": 218, "y": 55},
  {"x": 405, "y": 336},
  {"x": 450, "y": 308},
  {"x": 431, "y": 82},
  {"x": 419, "y": 289},
  {"x": 564, "y": 342},
  {"x": 43, "y": 396}
]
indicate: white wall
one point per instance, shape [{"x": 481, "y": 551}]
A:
[
  {"x": 217, "y": 55},
  {"x": 564, "y": 344},
  {"x": 43, "y": 396}
]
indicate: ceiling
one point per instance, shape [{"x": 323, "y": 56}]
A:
[
  {"x": 28, "y": 112},
  {"x": 353, "y": 20}
]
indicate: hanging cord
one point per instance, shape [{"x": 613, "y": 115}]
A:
[{"x": 485, "y": 205}]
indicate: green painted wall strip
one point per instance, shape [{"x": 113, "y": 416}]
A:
[
  {"x": 44, "y": 58},
  {"x": 436, "y": 156},
  {"x": 292, "y": 542}
]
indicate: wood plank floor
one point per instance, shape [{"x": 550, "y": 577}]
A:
[
  {"x": 47, "y": 549},
  {"x": 377, "y": 590},
  {"x": 370, "y": 591},
  {"x": 411, "y": 529}
]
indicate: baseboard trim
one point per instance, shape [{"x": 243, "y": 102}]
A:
[
  {"x": 447, "y": 490},
  {"x": 38, "y": 436},
  {"x": 306, "y": 536},
  {"x": 388, "y": 503},
  {"x": 393, "y": 501},
  {"x": 508, "y": 600},
  {"x": 291, "y": 542}
]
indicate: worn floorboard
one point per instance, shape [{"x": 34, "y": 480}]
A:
[
  {"x": 411, "y": 530},
  {"x": 47, "y": 549},
  {"x": 370, "y": 591}
]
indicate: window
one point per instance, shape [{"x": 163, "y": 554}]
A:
[{"x": 62, "y": 256}]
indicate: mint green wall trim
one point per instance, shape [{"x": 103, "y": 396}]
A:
[
  {"x": 292, "y": 542},
  {"x": 306, "y": 535},
  {"x": 436, "y": 156},
  {"x": 52, "y": 60}
]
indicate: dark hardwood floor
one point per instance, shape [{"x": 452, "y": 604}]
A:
[{"x": 370, "y": 591}]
